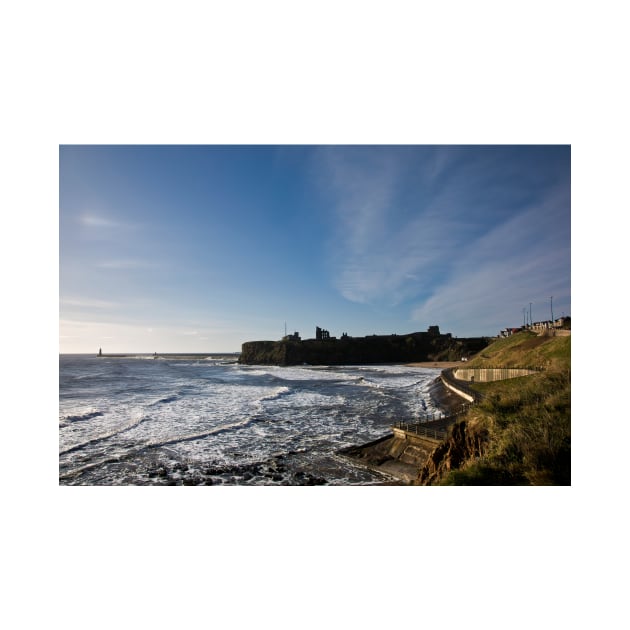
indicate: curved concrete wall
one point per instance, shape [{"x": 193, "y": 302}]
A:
[
  {"x": 486, "y": 375},
  {"x": 459, "y": 392}
]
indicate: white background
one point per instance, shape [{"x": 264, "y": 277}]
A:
[{"x": 306, "y": 72}]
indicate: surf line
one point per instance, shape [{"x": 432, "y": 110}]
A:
[
  {"x": 136, "y": 451},
  {"x": 104, "y": 436}
]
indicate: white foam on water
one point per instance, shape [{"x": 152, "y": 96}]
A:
[
  {"x": 105, "y": 436},
  {"x": 80, "y": 414},
  {"x": 214, "y": 414},
  {"x": 277, "y": 393}
]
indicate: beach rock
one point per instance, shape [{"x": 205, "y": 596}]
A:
[
  {"x": 315, "y": 481},
  {"x": 193, "y": 480}
]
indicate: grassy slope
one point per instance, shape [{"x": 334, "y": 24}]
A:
[
  {"x": 526, "y": 349},
  {"x": 527, "y": 420}
]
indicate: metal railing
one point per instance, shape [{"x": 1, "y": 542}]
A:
[
  {"x": 419, "y": 429},
  {"x": 437, "y": 416}
]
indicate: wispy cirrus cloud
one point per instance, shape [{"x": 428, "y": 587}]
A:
[
  {"x": 525, "y": 259},
  {"x": 386, "y": 244},
  {"x": 92, "y": 220},
  {"x": 99, "y": 220},
  {"x": 127, "y": 264},
  {"x": 88, "y": 303},
  {"x": 448, "y": 236}
]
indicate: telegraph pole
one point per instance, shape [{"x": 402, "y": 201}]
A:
[
  {"x": 551, "y": 298},
  {"x": 530, "y": 314},
  {"x": 524, "y": 311}
]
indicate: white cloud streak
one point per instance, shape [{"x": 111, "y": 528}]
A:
[
  {"x": 127, "y": 264},
  {"x": 102, "y": 222},
  {"x": 91, "y": 220},
  {"x": 390, "y": 249},
  {"x": 86, "y": 303},
  {"x": 522, "y": 260},
  {"x": 381, "y": 250}
]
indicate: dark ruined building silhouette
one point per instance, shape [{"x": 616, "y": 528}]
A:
[{"x": 321, "y": 334}]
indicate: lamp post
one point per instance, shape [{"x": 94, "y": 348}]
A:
[
  {"x": 552, "y": 324},
  {"x": 530, "y": 315}
]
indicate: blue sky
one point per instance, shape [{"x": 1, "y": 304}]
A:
[{"x": 200, "y": 248}]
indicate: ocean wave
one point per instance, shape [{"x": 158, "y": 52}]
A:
[
  {"x": 278, "y": 393},
  {"x": 78, "y": 418},
  {"x": 366, "y": 382},
  {"x": 176, "y": 439},
  {"x": 168, "y": 399},
  {"x": 104, "y": 436},
  {"x": 213, "y": 413},
  {"x": 80, "y": 377},
  {"x": 255, "y": 372},
  {"x": 300, "y": 373},
  {"x": 81, "y": 469}
]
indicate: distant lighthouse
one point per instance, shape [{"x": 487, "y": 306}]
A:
[{"x": 100, "y": 352}]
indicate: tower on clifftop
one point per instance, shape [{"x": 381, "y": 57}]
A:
[{"x": 321, "y": 334}]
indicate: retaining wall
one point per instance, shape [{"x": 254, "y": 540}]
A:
[
  {"x": 459, "y": 392},
  {"x": 486, "y": 375}
]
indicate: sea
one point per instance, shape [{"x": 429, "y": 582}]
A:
[{"x": 143, "y": 420}]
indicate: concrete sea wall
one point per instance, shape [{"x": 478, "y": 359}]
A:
[{"x": 487, "y": 375}]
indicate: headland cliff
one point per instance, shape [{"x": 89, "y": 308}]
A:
[{"x": 412, "y": 347}]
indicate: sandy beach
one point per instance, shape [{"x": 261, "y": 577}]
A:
[{"x": 441, "y": 365}]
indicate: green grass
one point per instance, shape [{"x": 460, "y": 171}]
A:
[
  {"x": 526, "y": 349},
  {"x": 483, "y": 473},
  {"x": 527, "y": 419}
]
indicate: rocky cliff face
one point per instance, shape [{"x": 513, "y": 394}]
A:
[
  {"x": 361, "y": 350},
  {"x": 464, "y": 443}
]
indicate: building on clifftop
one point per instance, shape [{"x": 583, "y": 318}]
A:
[
  {"x": 294, "y": 337},
  {"x": 321, "y": 334}
]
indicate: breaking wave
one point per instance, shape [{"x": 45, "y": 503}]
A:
[
  {"x": 80, "y": 417},
  {"x": 126, "y": 414},
  {"x": 104, "y": 436}
]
